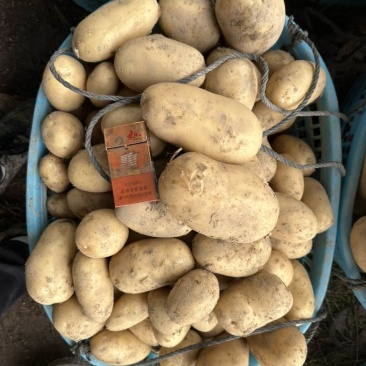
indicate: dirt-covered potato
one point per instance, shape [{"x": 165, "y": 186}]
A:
[
  {"x": 57, "y": 206},
  {"x": 170, "y": 340},
  {"x": 144, "y": 332},
  {"x": 292, "y": 250},
  {"x": 357, "y": 242}
]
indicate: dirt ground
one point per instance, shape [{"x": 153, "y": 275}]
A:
[{"x": 30, "y": 30}]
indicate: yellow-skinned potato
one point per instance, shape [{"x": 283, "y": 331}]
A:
[
  {"x": 100, "y": 34},
  {"x": 53, "y": 172},
  {"x": 118, "y": 348},
  {"x": 206, "y": 324},
  {"x": 160, "y": 59},
  {"x": 144, "y": 332},
  {"x": 302, "y": 292},
  {"x": 286, "y": 347},
  {"x": 149, "y": 264},
  {"x": 216, "y": 255},
  {"x": 256, "y": 167},
  {"x": 63, "y": 134},
  {"x": 248, "y": 26},
  {"x": 218, "y": 329},
  {"x": 100, "y": 234},
  {"x": 93, "y": 286},
  {"x": 316, "y": 198},
  {"x": 82, "y": 173},
  {"x": 48, "y": 269},
  {"x": 216, "y": 199},
  {"x": 268, "y": 163},
  {"x": 128, "y": 310},
  {"x": 200, "y": 121},
  {"x": 102, "y": 80},
  {"x": 170, "y": 340},
  {"x": 357, "y": 242},
  {"x": 292, "y": 250},
  {"x": 276, "y": 59},
  {"x": 61, "y": 97},
  {"x": 152, "y": 219},
  {"x": 70, "y": 321},
  {"x": 57, "y": 206},
  {"x": 296, "y": 222},
  {"x": 252, "y": 302},
  {"x": 194, "y": 23}
]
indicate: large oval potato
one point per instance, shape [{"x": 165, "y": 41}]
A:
[
  {"x": 48, "y": 273},
  {"x": 222, "y": 201},
  {"x": 357, "y": 242},
  {"x": 98, "y": 36},
  {"x": 148, "y": 264},
  {"x": 154, "y": 59},
  {"x": 197, "y": 120}
]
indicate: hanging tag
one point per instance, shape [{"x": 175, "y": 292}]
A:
[{"x": 131, "y": 168}]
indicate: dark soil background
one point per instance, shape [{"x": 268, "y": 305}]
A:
[{"x": 30, "y": 31}]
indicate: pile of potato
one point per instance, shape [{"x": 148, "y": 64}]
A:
[{"x": 219, "y": 252}]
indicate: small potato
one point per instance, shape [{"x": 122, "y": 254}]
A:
[
  {"x": 358, "y": 241},
  {"x": 102, "y": 80},
  {"x": 216, "y": 255},
  {"x": 288, "y": 180},
  {"x": 170, "y": 340},
  {"x": 53, "y": 172},
  {"x": 128, "y": 310},
  {"x": 206, "y": 324},
  {"x": 302, "y": 292},
  {"x": 252, "y": 302},
  {"x": 194, "y": 23},
  {"x": 160, "y": 59},
  {"x": 70, "y": 321},
  {"x": 296, "y": 222},
  {"x": 118, "y": 348},
  {"x": 61, "y": 97},
  {"x": 93, "y": 287},
  {"x": 48, "y": 276},
  {"x": 149, "y": 264},
  {"x": 144, "y": 332},
  {"x": 63, "y": 134},
  {"x": 82, "y": 173},
  {"x": 292, "y": 250},
  {"x": 152, "y": 219},
  {"x": 276, "y": 59},
  {"x": 193, "y": 297},
  {"x": 57, "y": 206},
  {"x": 300, "y": 151},
  {"x": 316, "y": 198},
  {"x": 100, "y": 234},
  {"x": 269, "y": 163},
  {"x": 82, "y": 203}
]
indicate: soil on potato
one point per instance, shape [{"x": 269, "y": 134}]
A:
[{"x": 30, "y": 31}]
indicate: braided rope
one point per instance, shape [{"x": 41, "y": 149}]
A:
[{"x": 353, "y": 283}]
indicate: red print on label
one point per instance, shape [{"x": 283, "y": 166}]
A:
[{"x": 133, "y": 134}]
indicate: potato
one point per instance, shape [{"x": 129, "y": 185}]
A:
[
  {"x": 53, "y": 172},
  {"x": 128, "y": 310},
  {"x": 149, "y": 264},
  {"x": 218, "y": 329},
  {"x": 144, "y": 332},
  {"x": 218, "y": 200},
  {"x": 98, "y": 36},
  {"x": 160, "y": 59},
  {"x": 61, "y": 97},
  {"x": 70, "y": 321},
  {"x": 170, "y": 340},
  {"x": 252, "y": 302},
  {"x": 82, "y": 173},
  {"x": 286, "y": 346},
  {"x": 268, "y": 162},
  {"x": 63, "y": 134},
  {"x": 279, "y": 265},
  {"x": 151, "y": 219},
  {"x": 48, "y": 275},
  {"x": 357, "y": 242},
  {"x": 100, "y": 234},
  {"x": 233, "y": 353},
  {"x": 300, "y": 151},
  {"x": 197, "y": 120},
  {"x": 102, "y": 80},
  {"x": 292, "y": 250},
  {"x": 231, "y": 259},
  {"x": 206, "y": 324},
  {"x": 193, "y": 297},
  {"x": 248, "y": 26},
  {"x": 287, "y": 179},
  {"x": 93, "y": 287},
  {"x": 362, "y": 181},
  {"x": 316, "y": 198},
  {"x": 296, "y": 222},
  {"x": 57, "y": 206},
  {"x": 276, "y": 59},
  {"x": 302, "y": 292},
  {"x": 255, "y": 166},
  {"x": 97, "y": 136},
  {"x": 118, "y": 348},
  {"x": 82, "y": 203},
  {"x": 194, "y": 23},
  {"x": 184, "y": 359}
]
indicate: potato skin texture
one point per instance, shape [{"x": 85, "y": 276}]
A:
[
  {"x": 48, "y": 271},
  {"x": 292, "y": 250},
  {"x": 144, "y": 332},
  {"x": 58, "y": 207},
  {"x": 200, "y": 121},
  {"x": 358, "y": 241},
  {"x": 53, "y": 172},
  {"x": 189, "y": 189}
]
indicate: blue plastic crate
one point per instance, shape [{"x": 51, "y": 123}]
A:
[
  {"x": 90, "y": 5},
  {"x": 322, "y": 133}
]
